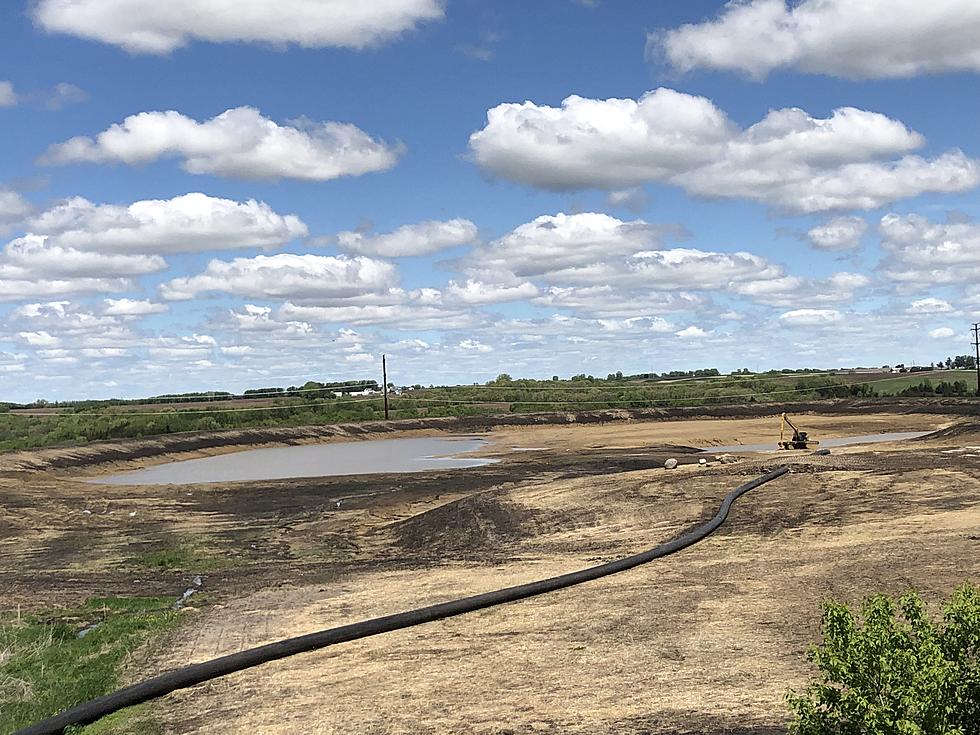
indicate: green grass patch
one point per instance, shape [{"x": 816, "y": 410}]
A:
[
  {"x": 892, "y": 386},
  {"x": 184, "y": 557},
  {"x": 45, "y": 667}
]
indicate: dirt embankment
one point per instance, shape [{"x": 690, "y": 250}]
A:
[{"x": 169, "y": 446}]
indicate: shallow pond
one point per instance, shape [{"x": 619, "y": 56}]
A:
[
  {"x": 842, "y": 441},
  {"x": 312, "y": 460}
]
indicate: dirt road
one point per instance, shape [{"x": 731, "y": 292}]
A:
[{"x": 706, "y": 640}]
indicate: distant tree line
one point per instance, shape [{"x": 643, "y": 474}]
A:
[{"x": 944, "y": 388}]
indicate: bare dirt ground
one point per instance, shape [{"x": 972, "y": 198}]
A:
[{"x": 707, "y": 640}]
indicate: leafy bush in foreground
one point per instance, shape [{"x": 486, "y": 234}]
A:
[{"x": 897, "y": 673}]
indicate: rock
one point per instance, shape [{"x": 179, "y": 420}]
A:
[
  {"x": 703, "y": 462},
  {"x": 727, "y": 459},
  {"x": 670, "y": 464}
]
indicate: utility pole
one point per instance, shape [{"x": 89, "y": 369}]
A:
[
  {"x": 976, "y": 345},
  {"x": 384, "y": 381}
]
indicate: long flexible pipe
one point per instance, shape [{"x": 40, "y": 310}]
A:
[{"x": 189, "y": 676}]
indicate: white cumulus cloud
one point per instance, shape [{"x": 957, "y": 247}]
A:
[
  {"x": 942, "y": 333},
  {"x": 854, "y": 159},
  {"x": 421, "y": 238},
  {"x": 478, "y": 292},
  {"x": 691, "y": 332},
  {"x": 929, "y": 306},
  {"x": 147, "y": 26},
  {"x": 920, "y": 253},
  {"x": 37, "y": 257},
  {"x": 132, "y": 307},
  {"x": 298, "y": 277},
  {"x": 238, "y": 143},
  {"x": 189, "y": 223},
  {"x": 811, "y": 317},
  {"x": 855, "y": 39},
  {"x": 840, "y": 233}
]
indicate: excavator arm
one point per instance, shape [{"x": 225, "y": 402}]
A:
[{"x": 799, "y": 440}]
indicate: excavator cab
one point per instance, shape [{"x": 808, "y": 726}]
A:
[{"x": 799, "y": 440}]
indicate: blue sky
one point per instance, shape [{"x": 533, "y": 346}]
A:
[{"x": 743, "y": 185}]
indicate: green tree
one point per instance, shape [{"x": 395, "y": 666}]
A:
[{"x": 896, "y": 673}]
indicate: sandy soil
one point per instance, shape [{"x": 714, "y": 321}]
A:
[{"x": 705, "y": 641}]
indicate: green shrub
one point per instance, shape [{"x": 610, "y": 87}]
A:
[{"x": 898, "y": 672}]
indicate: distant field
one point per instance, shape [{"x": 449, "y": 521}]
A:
[
  {"x": 891, "y": 386},
  {"x": 161, "y": 406},
  {"x": 31, "y": 427}
]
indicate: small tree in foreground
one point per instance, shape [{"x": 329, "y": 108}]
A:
[{"x": 897, "y": 673}]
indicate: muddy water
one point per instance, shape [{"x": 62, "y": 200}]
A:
[
  {"x": 842, "y": 441},
  {"x": 314, "y": 460}
]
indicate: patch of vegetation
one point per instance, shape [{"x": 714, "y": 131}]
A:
[
  {"x": 184, "y": 557},
  {"x": 318, "y": 403},
  {"x": 45, "y": 667},
  {"x": 899, "y": 672}
]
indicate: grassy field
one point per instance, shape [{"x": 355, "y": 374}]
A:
[
  {"x": 77, "y": 424},
  {"x": 47, "y": 665},
  {"x": 893, "y": 386}
]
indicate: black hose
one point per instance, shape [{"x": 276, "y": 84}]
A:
[{"x": 197, "y": 673}]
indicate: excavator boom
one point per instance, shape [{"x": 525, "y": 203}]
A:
[{"x": 799, "y": 440}]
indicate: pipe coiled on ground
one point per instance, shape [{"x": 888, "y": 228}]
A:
[{"x": 194, "y": 674}]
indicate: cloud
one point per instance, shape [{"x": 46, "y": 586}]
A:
[
  {"x": 942, "y": 333},
  {"x": 146, "y": 26},
  {"x": 62, "y": 318},
  {"x": 478, "y": 292},
  {"x": 691, "y": 332},
  {"x": 38, "y": 339},
  {"x": 634, "y": 200},
  {"x": 607, "y": 301},
  {"x": 416, "y": 239},
  {"x": 189, "y": 223},
  {"x": 929, "y": 306},
  {"x": 592, "y": 250},
  {"x": 473, "y": 345},
  {"x": 407, "y": 314},
  {"x": 840, "y": 233},
  {"x": 789, "y": 290},
  {"x": 811, "y": 317},
  {"x": 475, "y": 52},
  {"x": 788, "y": 160},
  {"x": 132, "y": 307},
  {"x": 259, "y": 319},
  {"x": 550, "y": 244},
  {"x": 303, "y": 277},
  {"x": 16, "y": 285},
  {"x": 36, "y": 256},
  {"x": 65, "y": 94},
  {"x": 920, "y": 253},
  {"x": 13, "y": 208},
  {"x": 8, "y": 97},
  {"x": 238, "y": 143},
  {"x": 872, "y": 39}
]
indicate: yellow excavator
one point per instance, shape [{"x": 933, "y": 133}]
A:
[{"x": 799, "y": 440}]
